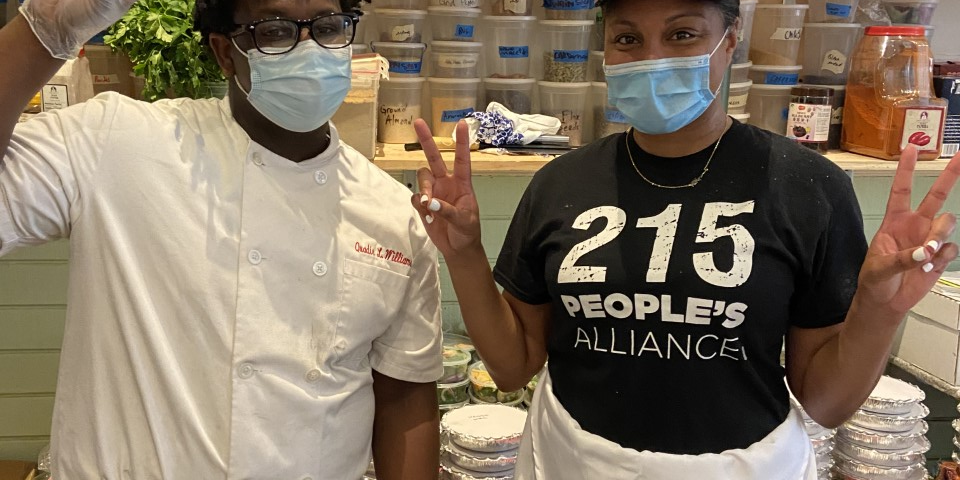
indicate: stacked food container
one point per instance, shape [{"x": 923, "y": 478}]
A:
[
  {"x": 509, "y": 40},
  {"x": 481, "y": 442},
  {"x": 740, "y": 82},
  {"x": 484, "y": 390},
  {"x": 774, "y": 47},
  {"x": 886, "y": 437},
  {"x": 453, "y": 387},
  {"x": 565, "y": 87},
  {"x": 822, "y": 440}
]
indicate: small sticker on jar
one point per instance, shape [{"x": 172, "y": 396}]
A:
[
  {"x": 402, "y": 33},
  {"x": 921, "y": 128}
]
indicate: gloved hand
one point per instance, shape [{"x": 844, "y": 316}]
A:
[{"x": 63, "y": 26}]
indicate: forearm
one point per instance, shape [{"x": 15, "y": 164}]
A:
[
  {"x": 406, "y": 430},
  {"x": 26, "y": 67},
  {"x": 845, "y": 370}
]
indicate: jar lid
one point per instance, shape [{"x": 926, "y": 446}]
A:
[
  {"x": 454, "y": 81},
  {"x": 396, "y": 12},
  {"x": 564, "y": 85},
  {"x": 882, "y": 30},
  {"x": 398, "y": 45},
  {"x": 835, "y": 88},
  {"x": 510, "y": 81},
  {"x": 807, "y": 91}
]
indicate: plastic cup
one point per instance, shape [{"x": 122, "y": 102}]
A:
[
  {"x": 832, "y": 11},
  {"x": 453, "y": 24},
  {"x": 747, "y": 10},
  {"x": 400, "y": 25},
  {"x": 596, "y": 66},
  {"x": 768, "y": 106},
  {"x": 521, "y": 8},
  {"x": 398, "y": 106},
  {"x": 913, "y": 12},
  {"x": 775, "y": 74},
  {"x": 406, "y": 59},
  {"x": 568, "y": 9},
  {"x": 741, "y": 117},
  {"x": 454, "y": 3},
  {"x": 566, "y": 49},
  {"x": 739, "y": 72},
  {"x": 568, "y": 102},
  {"x": 737, "y": 99},
  {"x": 508, "y": 46},
  {"x": 453, "y": 99},
  {"x": 776, "y": 34},
  {"x": 836, "y": 121},
  {"x": 455, "y": 59},
  {"x": 514, "y": 93},
  {"x": 826, "y": 52},
  {"x": 607, "y": 120},
  {"x": 402, "y": 4}
]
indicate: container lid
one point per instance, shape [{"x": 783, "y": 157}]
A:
[
  {"x": 564, "y": 85},
  {"x": 895, "y": 390},
  {"x": 455, "y": 356},
  {"x": 448, "y": 45},
  {"x": 510, "y": 81},
  {"x": 602, "y": 85},
  {"x": 832, "y": 25},
  {"x": 567, "y": 23},
  {"x": 808, "y": 91},
  {"x": 454, "y": 81},
  {"x": 489, "y": 421},
  {"x": 742, "y": 65},
  {"x": 509, "y": 18},
  {"x": 396, "y": 12},
  {"x": 882, "y": 30},
  {"x": 835, "y": 88},
  {"x": 740, "y": 116},
  {"x": 404, "y": 80},
  {"x": 458, "y": 341},
  {"x": 461, "y": 383},
  {"x": 778, "y": 68},
  {"x": 464, "y": 12},
  {"x": 766, "y": 86},
  {"x": 746, "y": 84},
  {"x": 925, "y": 27},
  {"x": 477, "y": 372},
  {"x": 783, "y": 6},
  {"x": 398, "y": 45},
  {"x": 454, "y": 406},
  {"x": 596, "y": 53},
  {"x": 476, "y": 401}
]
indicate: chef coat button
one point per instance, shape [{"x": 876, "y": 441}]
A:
[
  {"x": 319, "y": 269},
  {"x": 313, "y": 375},
  {"x": 320, "y": 177},
  {"x": 254, "y": 257},
  {"x": 342, "y": 344},
  {"x": 257, "y": 160},
  {"x": 245, "y": 371}
]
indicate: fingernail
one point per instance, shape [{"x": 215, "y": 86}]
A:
[
  {"x": 928, "y": 267},
  {"x": 434, "y": 205},
  {"x": 919, "y": 254},
  {"x": 934, "y": 245},
  {"x": 423, "y": 199},
  {"x": 429, "y": 219}
]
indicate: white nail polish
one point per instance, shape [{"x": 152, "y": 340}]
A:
[
  {"x": 423, "y": 199},
  {"x": 928, "y": 267},
  {"x": 919, "y": 254},
  {"x": 429, "y": 219},
  {"x": 935, "y": 245},
  {"x": 434, "y": 205}
]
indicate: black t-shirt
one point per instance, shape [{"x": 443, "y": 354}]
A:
[{"x": 670, "y": 305}]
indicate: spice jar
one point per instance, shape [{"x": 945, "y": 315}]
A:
[{"x": 808, "y": 120}]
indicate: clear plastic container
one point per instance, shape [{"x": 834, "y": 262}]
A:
[
  {"x": 406, "y": 59},
  {"x": 454, "y": 24},
  {"x": 568, "y": 102},
  {"x": 514, "y": 93},
  {"x": 596, "y": 66},
  {"x": 453, "y": 393},
  {"x": 453, "y": 99},
  {"x": 768, "y": 106},
  {"x": 455, "y": 59},
  {"x": 484, "y": 389},
  {"x": 832, "y": 11},
  {"x": 826, "y": 51},
  {"x": 455, "y": 363},
  {"x": 890, "y": 102},
  {"x": 522, "y": 8},
  {"x": 461, "y": 342},
  {"x": 747, "y": 10},
  {"x": 404, "y": 26},
  {"x": 508, "y": 45},
  {"x": 454, "y": 3},
  {"x": 777, "y": 30},
  {"x": 913, "y": 12},
  {"x": 566, "y": 49},
  {"x": 775, "y": 74},
  {"x": 402, "y": 4},
  {"x": 737, "y": 98},
  {"x": 569, "y": 9},
  {"x": 398, "y": 106},
  {"x": 607, "y": 120},
  {"x": 739, "y": 72}
]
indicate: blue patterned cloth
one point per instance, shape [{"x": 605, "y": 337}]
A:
[{"x": 496, "y": 129}]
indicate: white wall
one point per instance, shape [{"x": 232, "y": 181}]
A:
[{"x": 946, "y": 33}]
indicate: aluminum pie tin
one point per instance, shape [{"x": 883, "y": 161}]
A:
[
  {"x": 955, "y": 458},
  {"x": 892, "y": 396},
  {"x": 853, "y": 468},
  {"x": 881, "y": 440},
  {"x": 890, "y": 423},
  {"x": 487, "y": 463},
  {"x": 956, "y": 443},
  {"x": 881, "y": 458},
  {"x": 824, "y": 459},
  {"x": 956, "y": 425},
  {"x": 485, "y": 428},
  {"x": 450, "y": 472}
]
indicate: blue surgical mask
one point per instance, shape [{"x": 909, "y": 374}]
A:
[
  {"x": 300, "y": 90},
  {"x": 663, "y": 95}
]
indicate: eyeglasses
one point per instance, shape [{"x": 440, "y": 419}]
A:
[{"x": 276, "y": 36}]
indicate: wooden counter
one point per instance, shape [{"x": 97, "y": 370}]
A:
[{"x": 392, "y": 158}]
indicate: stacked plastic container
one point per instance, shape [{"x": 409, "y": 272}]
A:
[
  {"x": 480, "y": 442},
  {"x": 774, "y": 48},
  {"x": 484, "y": 390},
  {"x": 822, "y": 440},
  {"x": 886, "y": 438},
  {"x": 565, "y": 86},
  {"x": 453, "y": 387}
]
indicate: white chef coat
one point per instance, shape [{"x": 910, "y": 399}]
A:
[{"x": 225, "y": 305}]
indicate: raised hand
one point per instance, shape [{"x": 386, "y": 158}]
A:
[
  {"x": 63, "y": 26},
  {"x": 446, "y": 202},
  {"x": 910, "y": 251}
]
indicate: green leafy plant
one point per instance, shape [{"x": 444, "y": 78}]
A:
[{"x": 159, "y": 38}]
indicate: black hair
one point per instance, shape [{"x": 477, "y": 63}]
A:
[
  {"x": 729, "y": 8},
  {"x": 216, "y": 16}
]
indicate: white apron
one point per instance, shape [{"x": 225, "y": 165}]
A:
[{"x": 554, "y": 447}]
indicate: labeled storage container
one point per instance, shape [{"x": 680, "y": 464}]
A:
[
  {"x": 596, "y": 66},
  {"x": 566, "y": 49},
  {"x": 890, "y": 103},
  {"x": 737, "y": 97},
  {"x": 454, "y": 24},
  {"x": 508, "y": 45},
  {"x": 774, "y": 74},
  {"x": 400, "y": 104},
  {"x": 566, "y": 101},
  {"x": 514, "y": 93},
  {"x": 745, "y": 33},
  {"x": 452, "y": 100},
  {"x": 808, "y": 121},
  {"x": 402, "y": 4},
  {"x": 777, "y": 30},
  {"x": 607, "y": 120},
  {"x": 569, "y": 9},
  {"x": 454, "y": 3},
  {"x": 740, "y": 72},
  {"x": 832, "y": 11},
  {"x": 826, "y": 52},
  {"x": 455, "y": 59},
  {"x": 768, "y": 106},
  {"x": 522, "y": 8},
  {"x": 914, "y": 12},
  {"x": 836, "y": 113},
  {"x": 406, "y": 59},
  {"x": 404, "y": 26}
]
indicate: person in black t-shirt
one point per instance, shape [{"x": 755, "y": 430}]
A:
[{"x": 663, "y": 269}]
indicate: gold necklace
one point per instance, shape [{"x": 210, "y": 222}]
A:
[{"x": 692, "y": 183}]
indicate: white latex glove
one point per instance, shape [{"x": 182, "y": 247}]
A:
[{"x": 63, "y": 26}]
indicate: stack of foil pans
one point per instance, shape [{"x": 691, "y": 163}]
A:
[
  {"x": 821, "y": 438},
  {"x": 886, "y": 438},
  {"x": 480, "y": 442}
]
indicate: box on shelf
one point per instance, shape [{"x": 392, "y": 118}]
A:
[
  {"x": 16, "y": 470},
  {"x": 112, "y": 71},
  {"x": 356, "y": 120},
  {"x": 930, "y": 337}
]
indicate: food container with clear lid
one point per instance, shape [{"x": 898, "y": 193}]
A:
[
  {"x": 453, "y": 393},
  {"x": 455, "y": 363},
  {"x": 485, "y": 428},
  {"x": 485, "y": 390}
]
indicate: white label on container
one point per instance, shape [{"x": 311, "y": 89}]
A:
[
  {"x": 737, "y": 101},
  {"x": 834, "y": 61},
  {"x": 402, "y": 33},
  {"x": 790, "y": 34},
  {"x": 921, "y": 128},
  {"x": 837, "y": 116},
  {"x": 395, "y": 122},
  {"x": 453, "y": 60},
  {"x": 809, "y": 123},
  {"x": 106, "y": 79},
  {"x": 54, "y": 97},
  {"x": 515, "y": 6}
]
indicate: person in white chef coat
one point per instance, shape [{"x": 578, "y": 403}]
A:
[{"x": 248, "y": 297}]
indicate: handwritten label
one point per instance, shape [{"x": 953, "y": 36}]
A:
[
  {"x": 402, "y": 33},
  {"x": 788, "y": 34},
  {"x": 737, "y": 101},
  {"x": 613, "y": 115},
  {"x": 458, "y": 3},
  {"x": 571, "y": 56},
  {"x": 456, "y": 60},
  {"x": 405, "y": 67},
  {"x": 464, "y": 31},
  {"x": 921, "y": 128},
  {"x": 838, "y": 10},
  {"x": 106, "y": 79},
  {"x": 514, "y": 52},
  {"x": 454, "y": 116},
  {"x": 834, "y": 61},
  {"x": 781, "y": 78},
  {"x": 515, "y": 6},
  {"x": 568, "y": 4}
]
